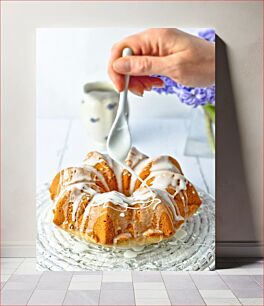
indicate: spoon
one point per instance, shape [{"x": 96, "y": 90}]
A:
[{"x": 119, "y": 139}]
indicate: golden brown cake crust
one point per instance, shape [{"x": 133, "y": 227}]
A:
[{"x": 107, "y": 205}]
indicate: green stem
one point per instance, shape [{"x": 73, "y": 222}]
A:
[
  {"x": 209, "y": 128},
  {"x": 210, "y": 110}
]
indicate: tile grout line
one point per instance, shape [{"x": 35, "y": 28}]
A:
[
  {"x": 62, "y": 303},
  {"x": 133, "y": 287},
  {"x": 102, "y": 275},
  {"x": 23, "y": 261},
  {"x": 24, "y": 258},
  {"x": 261, "y": 286},
  {"x": 154, "y": 282},
  {"x": 41, "y": 275},
  {"x": 231, "y": 288},
  {"x": 162, "y": 277},
  {"x": 197, "y": 288},
  {"x": 166, "y": 288}
]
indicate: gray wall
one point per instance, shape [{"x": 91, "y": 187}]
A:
[{"x": 239, "y": 107}]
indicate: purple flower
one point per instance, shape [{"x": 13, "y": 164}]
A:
[
  {"x": 207, "y": 34},
  {"x": 194, "y": 96}
]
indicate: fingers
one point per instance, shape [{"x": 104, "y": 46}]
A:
[
  {"x": 139, "y": 84},
  {"x": 136, "y": 87},
  {"x": 139, "y": 65},
  {"x": 117, "y": 78},
  {"x": 116, "y": 52}
]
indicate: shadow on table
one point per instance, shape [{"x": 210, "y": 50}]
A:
[{"x": 234, "y": 217}]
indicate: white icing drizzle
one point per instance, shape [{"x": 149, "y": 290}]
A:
[
  {"x": 151, "y": 231},
  {"x": 163, "y": 163},
  {"x": 77, "y": 199},
  {"x": 137, "y": 170},
  {"x": 118, "y": 199},
  {"x": 141, "y": 196},
  {"x": 118, "y": 174},
  {"x": 122, "y": 236},
  {"x": 163, "y": 179},
  {"x": 74, "y": 176},
  {"x": 179, "y": 235},
  {"x": 98, "y": 174},
  {"x": 134, "y": 157},
  {"x": 116, "y": 168},
  {"x": 130, "y": 254},
  {"x": 138, "y": 248},
  {"x": 163, "y": 172},
  {"x": 109, "y": 161},
  {"x": 92, "y": 160},
  {"x": 77, "y": 192},
  {"x": 169, "y": 200},
  {"x": 185, "y": 201}
]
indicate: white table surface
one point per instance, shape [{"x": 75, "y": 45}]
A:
[{"x": 63, "y": 143}]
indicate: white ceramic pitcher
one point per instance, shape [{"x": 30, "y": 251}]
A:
[{"x": 98, "y": 110}]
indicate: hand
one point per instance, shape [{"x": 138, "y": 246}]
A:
[{"x": 185, "y": 58}]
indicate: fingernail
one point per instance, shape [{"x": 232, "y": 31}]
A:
[{"x": 122, "y": 65}]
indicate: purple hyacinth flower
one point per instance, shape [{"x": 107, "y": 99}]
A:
[
  {"x": 193, "y": 96},
  {"x": 208, "y": 34}
]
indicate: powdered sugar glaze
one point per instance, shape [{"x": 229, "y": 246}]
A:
[{"x": 151, "y": 192}]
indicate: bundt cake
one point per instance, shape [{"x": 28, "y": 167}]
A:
[{"x": 105, "y": 204}]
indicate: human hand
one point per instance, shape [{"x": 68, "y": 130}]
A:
[{"x": 187, "y": 59}]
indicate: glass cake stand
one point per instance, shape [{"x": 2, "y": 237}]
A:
[{"x": 192, "y": 248}]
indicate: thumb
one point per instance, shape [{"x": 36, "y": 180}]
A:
[{"x": 139, "y": 65}]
